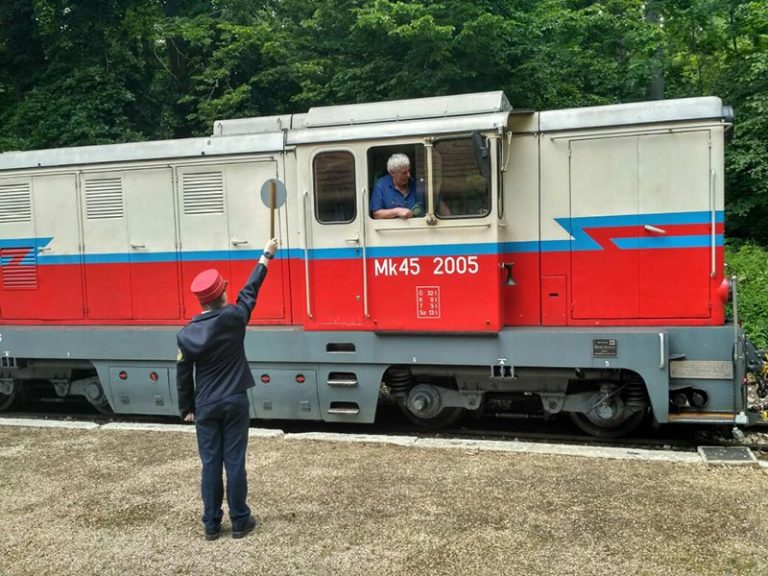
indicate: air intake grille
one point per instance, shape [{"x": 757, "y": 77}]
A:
[
  {"x": 104, "y": 198},
  {"x": 19, "y": 268},
  {"x": 15, "y": 203},
  {"x": 203, "y": 193}
]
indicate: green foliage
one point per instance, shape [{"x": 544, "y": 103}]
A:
[
  {"x": 91, "y": 74},
  {"x": 398, "y": 42},
  {"x": 721, "y": 47},
  {"x": 98, "y": 116},
  {"x": 749, "y": 263}
]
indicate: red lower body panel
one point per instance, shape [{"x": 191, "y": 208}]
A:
[{"x": 479, "y": 293}]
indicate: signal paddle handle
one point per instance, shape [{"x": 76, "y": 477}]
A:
[{"x": 272, "y": 202}]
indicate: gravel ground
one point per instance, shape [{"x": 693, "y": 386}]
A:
[{"x": 124, "y": 503}]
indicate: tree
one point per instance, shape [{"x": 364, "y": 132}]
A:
[{"x": 87, "y": 61}]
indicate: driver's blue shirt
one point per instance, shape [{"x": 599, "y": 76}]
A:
[{"x": 386, "y": 196}]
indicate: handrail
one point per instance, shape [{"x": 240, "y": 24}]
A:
[
  {"x": 306, "y": 251},
  {"x": 363, "y": 243},
  {"x": 713, "y": 207},
  {"x": 441, "y": 227},
  {"x": 430, "y": 216},
  {"x": 637, "y": 132}
]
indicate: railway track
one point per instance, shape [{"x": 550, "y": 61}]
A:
[{"x": 389, "y": 423}]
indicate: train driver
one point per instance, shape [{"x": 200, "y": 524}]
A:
[{"x": 395, "y": 195}]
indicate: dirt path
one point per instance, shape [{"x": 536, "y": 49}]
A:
[{"x": 123, "y": 503}]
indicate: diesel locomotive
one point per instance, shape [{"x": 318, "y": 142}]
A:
[{"x": 566, "y": 261}]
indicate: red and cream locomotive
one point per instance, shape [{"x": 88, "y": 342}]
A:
[{"x": 567, "y": 261}]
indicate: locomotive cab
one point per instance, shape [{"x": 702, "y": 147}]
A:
[{"x": 436, "y": 271}]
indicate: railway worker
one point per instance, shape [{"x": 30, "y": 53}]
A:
[
  {"x": 395, "y": 195},
  {"x": 212, "y": 379}
]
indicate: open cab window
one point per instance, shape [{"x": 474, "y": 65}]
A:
[
  {"x": 460, "y": 186},
  {"x": 416, "y": 153}
]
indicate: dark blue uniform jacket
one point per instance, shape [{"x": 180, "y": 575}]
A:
[{"x": 211, "y": 362}]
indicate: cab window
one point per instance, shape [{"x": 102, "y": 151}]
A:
[
  {"x": 461, "y": 191},
  {"x": 377, "y": 166},
  {"x": 459, "y": 188},
  {"x": 334, "y": 183},
  {"x": 378, "y": 156}
]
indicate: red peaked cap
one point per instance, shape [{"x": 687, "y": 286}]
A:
[{"x": 208, "y": 286}]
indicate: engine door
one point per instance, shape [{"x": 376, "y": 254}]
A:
[
  {"x": 224, "y": 225},
  {"x": 334, "y": 252},
  {"x": 603, "y": 225},
  {"x": 152, "y": 244},
  {"x": 105, "y": 243},
  {"x": 249, "y": 227},
  {"x": 642, "y": 211},
  {"x": 203, "y": 230},
  {"x": 40, "y": 259},
  {"x": 676, "y": 239}
]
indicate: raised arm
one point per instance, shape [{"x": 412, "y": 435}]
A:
[{"x": 246, "y": 299}]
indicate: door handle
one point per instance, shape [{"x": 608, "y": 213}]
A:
[
  {"x": 507, "y": 267},
  {"x": 654, "y": 229},
  {"x": 355, "y": 240},
  {"x": 239, "y": 242},
  {"x": 138, "y": 246}
]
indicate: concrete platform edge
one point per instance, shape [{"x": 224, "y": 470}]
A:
[
  {"x": 34, "y": 423},
  {"x": 511, "y": 446}
]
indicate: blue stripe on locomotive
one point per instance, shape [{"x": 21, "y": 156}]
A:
[{"x": 577, "y": 227}]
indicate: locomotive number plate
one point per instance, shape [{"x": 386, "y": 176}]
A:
[{"x": 605, "y": 348}]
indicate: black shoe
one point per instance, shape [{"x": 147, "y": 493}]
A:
[
  {"x": 249, "y": 526},
  {"x": 213, "y": 534}
]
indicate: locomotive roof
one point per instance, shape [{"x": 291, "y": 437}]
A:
[
  {"x": 371, "y": 113},
  {"x": 151, "y": 150},
  {"x": 435, "y": 115},
  {"x": 708, "y": 107}
]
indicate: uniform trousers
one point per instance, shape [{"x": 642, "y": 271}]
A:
[{"x": 222, "y": 441}]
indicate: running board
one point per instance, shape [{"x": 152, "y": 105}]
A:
[
  {"x": 342, "y": 379},
  {"x": 703, "y": 418},
  {"x": 348, "y": 408}
]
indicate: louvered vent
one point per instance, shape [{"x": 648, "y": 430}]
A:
[
  {"x": 15, "y": 203},
  {"x": 104, "y": 198},
  {"x": 19, "y": 268},
  {"x": 203, "y": 193}
]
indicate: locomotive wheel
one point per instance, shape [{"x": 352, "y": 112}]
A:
[
  {"x": 104, "y": 408},
  {"x": 630, "y": 424},
  {"x": 424, "y": 408},
  {"x": 609, "y": 416},
  {"x": 7, "y": 397},
  {"x": 94, "y": 393}
]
